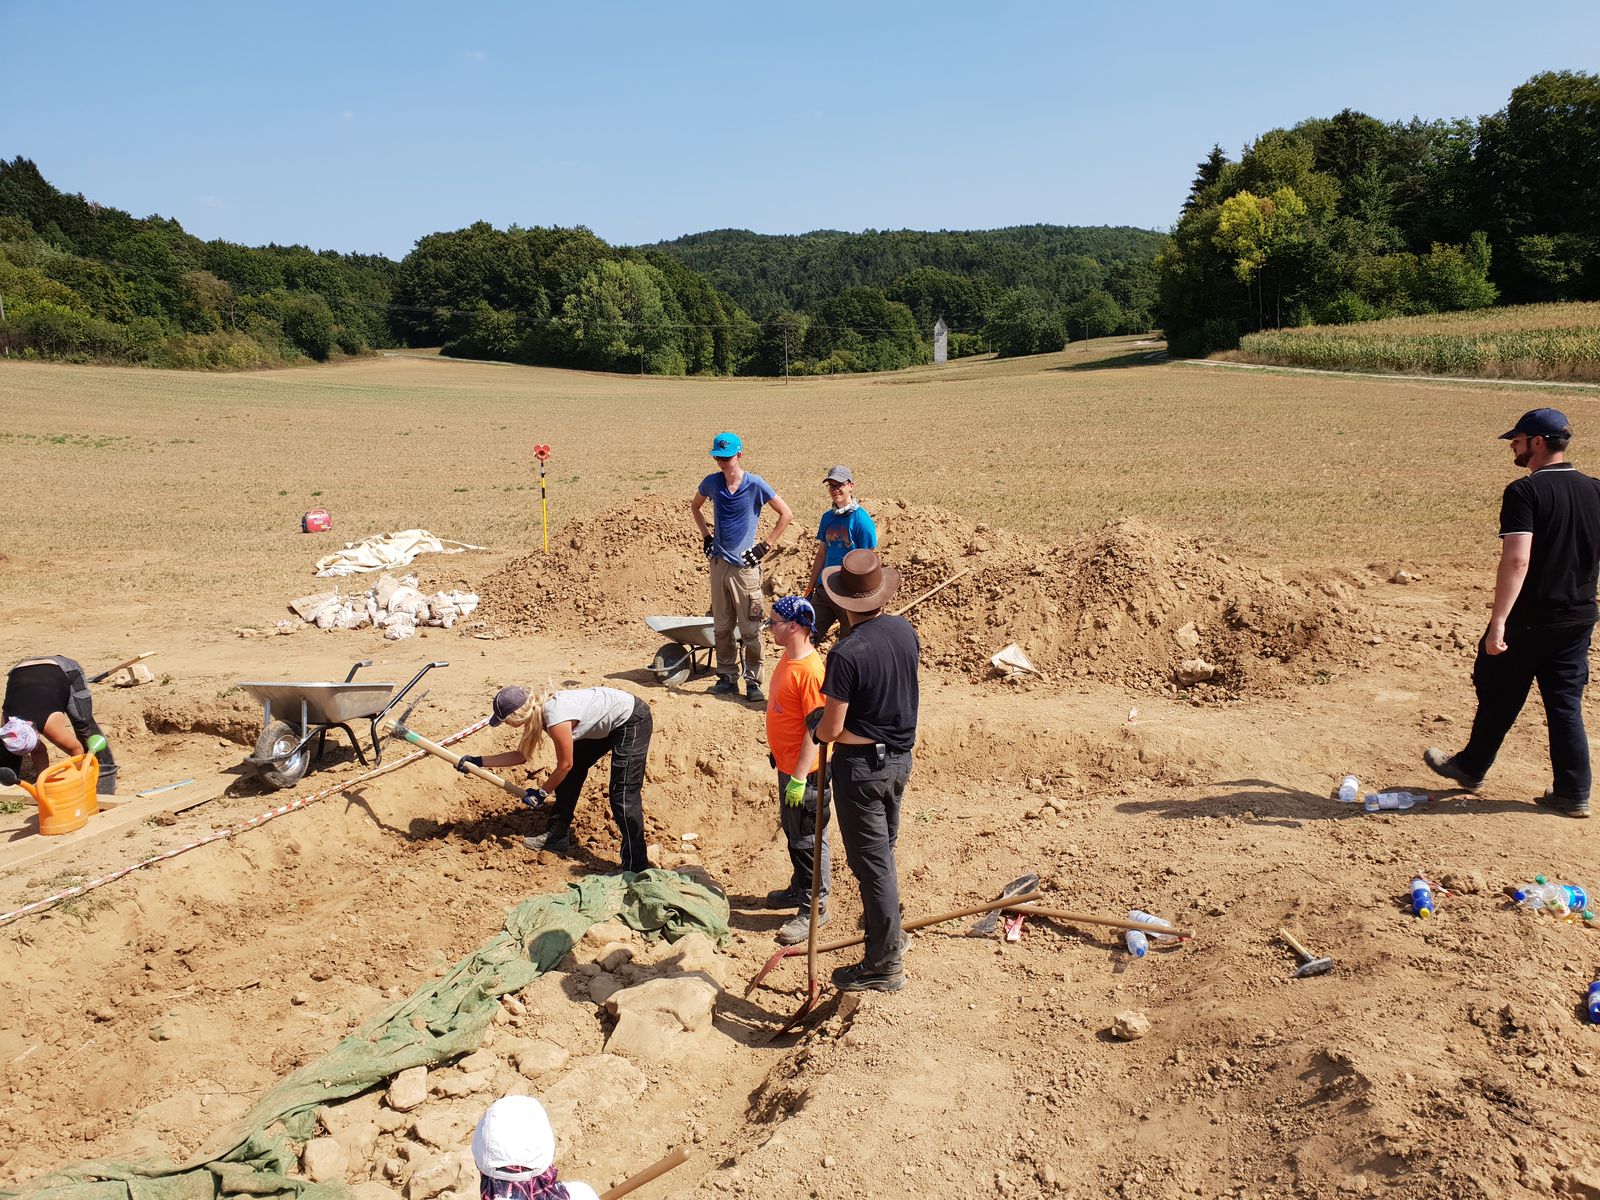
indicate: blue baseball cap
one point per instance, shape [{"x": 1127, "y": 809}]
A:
[
  {"x": 794, "y": 608},
  {"x": 1539, "y": 422},
  {"x": 726, "y": 445}
]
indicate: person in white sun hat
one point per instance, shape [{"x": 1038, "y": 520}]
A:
[{"x": 515, "y": 1152}]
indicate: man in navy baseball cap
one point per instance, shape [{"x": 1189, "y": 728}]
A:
[{"x": 1539, "y": 422}]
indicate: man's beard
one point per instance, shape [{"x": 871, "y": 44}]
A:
[{"x": 1524, "y": 458}]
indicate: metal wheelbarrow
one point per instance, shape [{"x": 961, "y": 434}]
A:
[
  {"x": 690, "y": 651},
  {"x": 307, "y": 711}
]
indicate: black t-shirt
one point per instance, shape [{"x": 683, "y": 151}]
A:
[
  {"x": 874, "y": 671},
  {"x": 35, "y": 693},
  {"x": 1560, "y": 506}
]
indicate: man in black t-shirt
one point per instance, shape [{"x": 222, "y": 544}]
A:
[
  {"x": 870, "y": 716},
  {"x": 1543, "y": 616}
]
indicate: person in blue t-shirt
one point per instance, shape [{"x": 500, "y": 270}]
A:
[
  {"x": 737, "y": 498},
  {"x": 846, "y": 526}
]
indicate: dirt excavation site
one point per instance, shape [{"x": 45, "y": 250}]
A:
[{"x": 324, "y": 994}]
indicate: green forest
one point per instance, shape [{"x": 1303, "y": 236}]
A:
[{"x": 1348, "y": 218}]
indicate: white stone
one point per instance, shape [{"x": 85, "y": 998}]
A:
[
  {"x": 661, "y": 1020},
  {"x": 440, "y": 1174},
  {"x": 408, "y": 1089},
  {"x": 1195, "y": 670},
  {"x": 1129, "y": 1026},
  {"x": 540, "y": 1057},
  {"x": 323, "y": 1160}
]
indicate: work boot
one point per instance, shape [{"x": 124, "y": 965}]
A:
[
  {"x": 724, "y": 686},
  {"x": 798, "y": 927},
  {"x": 789, "y": 897},
  {"x": 553, "y": 840},
  {"x": 754, "y": 694},
  {"x": 1567, "y": 808},
  {"x": 1444, "y": 764},
  {"x": 856, "y": 978}
]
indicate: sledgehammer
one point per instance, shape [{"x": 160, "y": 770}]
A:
[{"x": 397, "y": 728}]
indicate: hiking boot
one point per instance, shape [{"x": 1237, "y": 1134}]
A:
[
  {"x": 555, "y": 843},
  {"x": 856, "y": 978},
  {"x": 798, "y": 928},
  {"x": 1444, "y": 764},
  {"x": 789, "y": 897},
  {"x": 1560, "y": 804},
  {"x": 724, "y": 686},
  {"x": 754, "y": 694}
]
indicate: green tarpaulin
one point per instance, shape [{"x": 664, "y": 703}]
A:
[{"x": 441, "y": 1022}]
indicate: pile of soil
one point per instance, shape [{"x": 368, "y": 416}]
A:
[{"x": 1130, "y": 603}]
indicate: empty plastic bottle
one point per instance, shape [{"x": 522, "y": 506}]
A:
[
  {"x": 1349, "y": 789},
  {"x": 1136, "y": 914},
  {"x": 1557, "y": 898},
  {"x": 1387, "y": 801},
  {"x": 1421, "y": 897},
  {"x": 1138, "y": 942},
  {"x": 1593, "y": 1001}
]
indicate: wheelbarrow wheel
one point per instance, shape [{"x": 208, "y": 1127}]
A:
[
  {"x": 673, "y": 664},
  {"x": 287, "y": 766}
]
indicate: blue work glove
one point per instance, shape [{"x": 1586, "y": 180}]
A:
[
  {"x": 794, "y": 792},
  {"x": 710, "y": 545},
  {"x": 756, "y": 553},
  {"x": 535, "y": 797},
  {"x": 465, "y": 760}
]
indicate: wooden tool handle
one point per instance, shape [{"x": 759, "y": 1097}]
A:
[
  {"x": 127, "y": 662},
  {"x": 1159, "y": 929},
  {"x": 676, "y": 1159},
  {"x": 438, "y": 751},
  {"x": 905, "y": 608},
  {"x": 939, "y": 919},
  {"x": 1296, "y": 946}
]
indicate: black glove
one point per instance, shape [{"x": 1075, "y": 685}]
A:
[
  {"x": 535, "y": 797},
  {"x": 710, "y": 546},
  {"x": 465, "y": 760},
  {"x": 756, "y": 553}
]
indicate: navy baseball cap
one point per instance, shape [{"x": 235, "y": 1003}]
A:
[
  {"x": 506, "y": 701},
  {"x": 1539, "y": 422},
  {"x": 726, "y": 445}
]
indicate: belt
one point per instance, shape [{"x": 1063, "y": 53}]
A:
[{"x": 853, "y": 749}]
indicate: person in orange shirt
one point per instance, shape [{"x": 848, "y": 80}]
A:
[{"x": 796, "y": 690}]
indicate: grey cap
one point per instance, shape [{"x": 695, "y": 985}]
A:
[{"x": 838, "y": 474}]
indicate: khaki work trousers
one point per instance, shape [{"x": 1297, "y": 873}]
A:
[{"x": 736, "y": 602}]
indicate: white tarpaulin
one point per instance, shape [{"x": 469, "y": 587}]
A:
[{"x": 385, "y": 551}]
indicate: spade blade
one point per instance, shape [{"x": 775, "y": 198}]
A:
[{"x": 989, "y": 922}]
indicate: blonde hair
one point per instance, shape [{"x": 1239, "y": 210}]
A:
[{"x": 530, "y": 718}]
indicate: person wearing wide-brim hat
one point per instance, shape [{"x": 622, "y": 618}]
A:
[{"x": 869, "y": 717}]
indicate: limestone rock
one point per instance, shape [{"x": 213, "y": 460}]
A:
[
  {"x": 603, "y": 1086},
  {"x": 477, "y": 1061},
  {"x": 1194, "y": 670},
  {"x": 696, "y": 953},
  {"x": 607, "y": 932},
  {"x": 1129, "y": 1026},
  {"x": 540, "y": 1057},
  {"x": 1187, "y": 636},
  {"x": 444, "y": 1129},
  {"x": 456, "y": 1085},
  {"x": 660, "y": 1020},
  {"x": 441, "y": 1174},
  {"x": 324, "y": 1161},
  {"x": 409, "y": 1089},
  {"x": 603, "y": 986},
  {"x": 354, "y": 1125}
]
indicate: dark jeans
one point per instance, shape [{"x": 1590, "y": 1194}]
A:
[
  {"x": 800, "y": 832},
  {"x": 867, "y": 796},
  {"x": 629, "y": 746},
  {"x": 827, "y": 615},
  {"x": 1558, "y": 659}
]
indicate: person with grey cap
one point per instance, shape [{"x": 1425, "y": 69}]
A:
[
  {"x": 869, "y": 716},
  {"x": 737, "y": 498},
  {"x": 584, "y": 725},
  {"x": 1542, "y": 617},
  {"x": 846, "y": 526}
]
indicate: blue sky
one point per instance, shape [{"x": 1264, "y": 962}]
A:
[{"x": 361, "y": 127}]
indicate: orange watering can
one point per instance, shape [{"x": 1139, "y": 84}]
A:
[{"x": 65, "y": 793}]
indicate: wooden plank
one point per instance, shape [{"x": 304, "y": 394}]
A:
[{"x": 23, "y": 844}]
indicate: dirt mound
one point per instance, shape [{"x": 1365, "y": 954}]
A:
[{"x": 1132, "y": 603}]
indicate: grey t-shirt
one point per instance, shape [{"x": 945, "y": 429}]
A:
[{"x": 597, "y": 711}]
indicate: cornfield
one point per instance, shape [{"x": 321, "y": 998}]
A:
[{"x": 1533, "y": 341}]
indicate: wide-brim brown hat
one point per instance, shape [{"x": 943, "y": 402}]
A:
[{"x": 861, "y": 583}]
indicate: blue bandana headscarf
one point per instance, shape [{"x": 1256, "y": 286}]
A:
[{"x": 797, "y": 609}]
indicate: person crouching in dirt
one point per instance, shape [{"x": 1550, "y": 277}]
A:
[
  {"x": 514, "y": 1149},
  {"x": 797, "y": 691},
  {"x": 51, "y": 695},
  {"x": 737, "y": 498},
  {"x": 584, "y": 725},
  {"x": 846, "y": 526},
  {"x": 869, "y": 716}
]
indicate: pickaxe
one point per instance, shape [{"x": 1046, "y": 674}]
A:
[
  {"x": 817, "y": 843},
  {"x": 920, "y": 923},
  {"x": 398, "y": 728}
]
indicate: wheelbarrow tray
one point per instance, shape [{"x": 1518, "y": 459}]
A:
[
  {"x": 325, "y": 703},
  {"x": 687, "y": 631}
]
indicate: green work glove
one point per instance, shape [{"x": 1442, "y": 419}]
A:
[{"x": 794, "y": 792}]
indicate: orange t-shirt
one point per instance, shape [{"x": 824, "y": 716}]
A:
[{"x": 796, "y": 690}]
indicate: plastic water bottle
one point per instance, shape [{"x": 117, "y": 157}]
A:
[
  {"x": 1391, "y": 801},
  {"x": 1349, "y": 789},
  {"x": 1138, "y": 941},
  {"x": 1135, "y": 914},
  {"x": 1558, "y": 898},
  {"x": 1421, "y": 897},
  {"x": 1593, "y": 1001}
]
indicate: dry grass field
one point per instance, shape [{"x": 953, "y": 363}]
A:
[{"x": 1267, "y": 515}]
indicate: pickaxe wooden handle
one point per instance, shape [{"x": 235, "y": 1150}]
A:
[
  {"x": 400, "y": 730},
  {"x": 127, "y": 662},
  {"x": 1061, "y": 914},
  {"x": 919, "y": 923},
  {"x": 676, "y": 1159}
]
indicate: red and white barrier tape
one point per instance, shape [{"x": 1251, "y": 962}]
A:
[{"x": 222, "y": 834}]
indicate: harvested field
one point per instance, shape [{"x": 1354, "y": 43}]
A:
[{"x": 1114, "y": 520}]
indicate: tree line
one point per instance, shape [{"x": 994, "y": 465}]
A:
[{"x": 1348, "y": 218}]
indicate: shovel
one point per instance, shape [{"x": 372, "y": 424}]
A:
[
  {"x": 812, "y": 987},
  {"x": 987, "y": 924},
  {"x": 920, "y": 923},
  {"x": 398, "y": 728}
]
